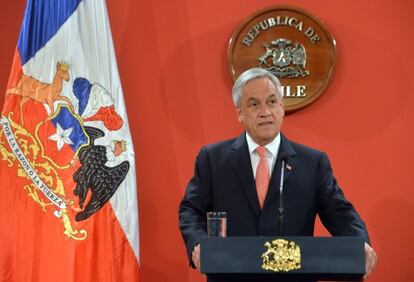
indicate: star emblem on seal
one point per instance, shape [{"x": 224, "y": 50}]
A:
[{"x": 61, "y": 136}]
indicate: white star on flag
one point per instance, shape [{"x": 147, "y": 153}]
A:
[{"x": 61, "y": 136}]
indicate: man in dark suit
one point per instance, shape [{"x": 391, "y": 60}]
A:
[{"x": 230, "y": 176}]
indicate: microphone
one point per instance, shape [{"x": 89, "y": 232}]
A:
[{"x": 283, "y": 157}]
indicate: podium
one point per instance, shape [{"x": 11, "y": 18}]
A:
[{"x": 302, "y": 258}]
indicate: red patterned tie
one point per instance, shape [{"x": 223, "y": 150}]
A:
[{"x": 262, "y": 175}]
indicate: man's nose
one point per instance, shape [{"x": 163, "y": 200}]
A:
[{"x": 264, "y": 111}]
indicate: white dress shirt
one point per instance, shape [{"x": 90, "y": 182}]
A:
[{"x": 272, "y": 150}]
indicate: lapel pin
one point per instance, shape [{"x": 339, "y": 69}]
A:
[{"x": 288, "y": 167}]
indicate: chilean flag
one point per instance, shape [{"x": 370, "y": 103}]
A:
[{"x": 67, "y": 171}]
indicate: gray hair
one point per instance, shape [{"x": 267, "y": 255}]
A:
[{"x": 251, "y": 74}]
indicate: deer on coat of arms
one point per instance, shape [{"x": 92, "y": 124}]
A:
[{"x": 33, "y": 89}]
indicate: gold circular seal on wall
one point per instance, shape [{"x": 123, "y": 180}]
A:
[{"x": 292, "y": 44}]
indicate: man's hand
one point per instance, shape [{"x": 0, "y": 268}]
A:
[
  {"x": 370, "y": 260},
  {"x": 195, "y": 256}
]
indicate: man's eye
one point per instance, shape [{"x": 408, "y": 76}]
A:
[{"x": 253, "y": 104}]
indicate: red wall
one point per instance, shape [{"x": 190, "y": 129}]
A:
[{"x": 172, "y": 60}]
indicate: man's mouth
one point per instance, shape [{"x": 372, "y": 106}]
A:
[{"x": 265, "y": 123}]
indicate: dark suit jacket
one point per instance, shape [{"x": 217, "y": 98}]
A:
[{"x": 223, "y": 181}]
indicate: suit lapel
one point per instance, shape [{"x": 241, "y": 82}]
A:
[
  {"x": 241, "y": 163},
  {"x": 274, "y": 184},
  {"x": 286, "y": 146},
  {"x": 240, "y": 160}
]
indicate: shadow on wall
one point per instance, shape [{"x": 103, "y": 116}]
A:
[{"x": 366, "y": 93}]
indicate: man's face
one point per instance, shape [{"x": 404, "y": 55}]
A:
[{"x": 261, "y": 110}]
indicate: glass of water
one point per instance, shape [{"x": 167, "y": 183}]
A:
[{"x": 216, "y": 224}]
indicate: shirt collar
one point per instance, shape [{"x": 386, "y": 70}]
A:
[{"x": 272, "y": 147}]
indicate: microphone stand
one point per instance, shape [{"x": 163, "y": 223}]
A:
[{"x": 281, "y": 209}]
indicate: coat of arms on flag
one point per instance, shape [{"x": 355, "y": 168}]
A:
[
  {"x": 61, "y": 142},
  {"x": 65, "y": 147}
]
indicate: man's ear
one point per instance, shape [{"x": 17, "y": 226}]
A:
[
  {"x": 282, "y": 105},
  {"x": 239, "y": 114}
]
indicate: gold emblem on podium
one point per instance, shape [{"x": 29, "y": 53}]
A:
[{"x": 281, "y": 256}]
